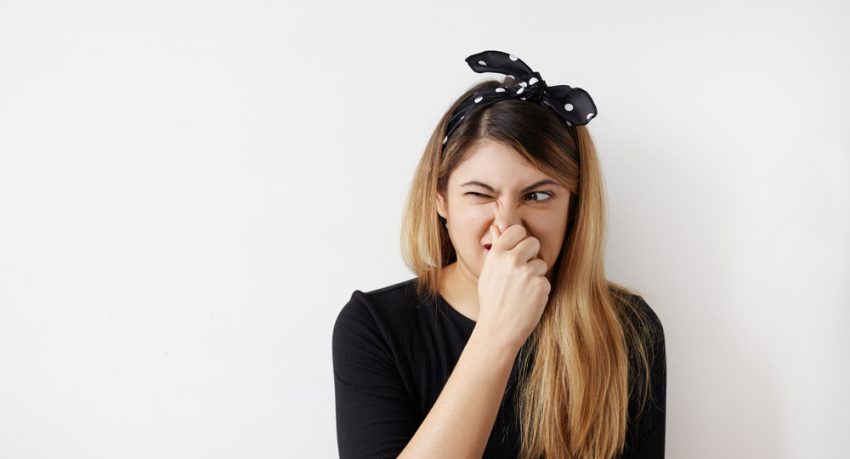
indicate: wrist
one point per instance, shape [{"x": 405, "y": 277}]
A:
[{"x": 494, "y": 344}]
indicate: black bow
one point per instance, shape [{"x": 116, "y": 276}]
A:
[{"x": 573, "y": 105}]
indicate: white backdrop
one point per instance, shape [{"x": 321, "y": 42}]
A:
[{"x": 190, "y": 192}]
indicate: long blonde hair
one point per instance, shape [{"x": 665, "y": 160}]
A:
[{"x": 587, "y": 356}]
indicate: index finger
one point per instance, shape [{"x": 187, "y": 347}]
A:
[{"x": 510, "y": 238}]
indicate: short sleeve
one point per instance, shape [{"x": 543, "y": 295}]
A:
[
  {"x": 375, "y": 417},
  {"x": 648, "y": 436}
]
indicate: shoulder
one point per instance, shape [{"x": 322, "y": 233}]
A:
[
  {"x": 649, "y": 327},
  {"x": 648, "y": 316},
  {"x": 638, "y": 314},
  {"x": 372, "y": 328},
  {"x": 382, "y": 300},
  {"x": 378, "y": 307}
]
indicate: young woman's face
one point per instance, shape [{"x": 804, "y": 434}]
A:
[{"x": 495, "y": 185}]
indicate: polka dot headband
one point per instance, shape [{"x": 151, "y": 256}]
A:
[{"x": 573, "y": 105}]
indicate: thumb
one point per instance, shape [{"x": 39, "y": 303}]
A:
[{"x": 494, "y": 234}]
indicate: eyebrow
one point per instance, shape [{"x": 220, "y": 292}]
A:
[{"x": 528, "y": 188}]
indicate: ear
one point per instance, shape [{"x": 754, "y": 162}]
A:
[{"x": 442, "y": 207}]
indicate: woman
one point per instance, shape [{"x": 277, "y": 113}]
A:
[{"x": 510, "y": 342}]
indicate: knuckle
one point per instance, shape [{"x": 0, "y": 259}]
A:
[{"x": 515, "y": 260}]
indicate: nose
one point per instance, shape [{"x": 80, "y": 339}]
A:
[{"x": 506, "y": 214}]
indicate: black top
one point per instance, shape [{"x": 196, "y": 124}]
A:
[{"x": 392, "y": 355}]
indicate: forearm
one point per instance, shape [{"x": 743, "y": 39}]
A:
[{"x": 462, "y": 418}]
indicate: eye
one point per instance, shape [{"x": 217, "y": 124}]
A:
[
  {"x": 546, "y": 193},
  {"x": 472, "y": 193}
]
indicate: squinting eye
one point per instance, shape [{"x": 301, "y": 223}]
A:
[
  {"x": 541, "y": 192},
  {"x": 472, "y": 193}
]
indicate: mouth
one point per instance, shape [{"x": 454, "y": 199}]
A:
[{"x": 487, "y": 246}]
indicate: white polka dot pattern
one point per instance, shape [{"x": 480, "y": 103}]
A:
[{"x": 573, "y": 105}]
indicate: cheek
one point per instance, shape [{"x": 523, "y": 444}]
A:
[
  {"x": 551, "y": 239},
  {"x": 479, "y": 219},
  {"x": 469, "y": 226},
  {"x": 470, "y": 219}
]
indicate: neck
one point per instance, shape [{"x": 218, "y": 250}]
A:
[{"x": 459, "y": 288}]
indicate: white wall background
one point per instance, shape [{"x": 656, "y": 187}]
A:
[{"x": 190, "y": 191}]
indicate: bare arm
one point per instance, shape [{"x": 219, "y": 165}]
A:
[
  {"x": 377, "y": 409},
  {"x": 460, "y": 422},
  {"x": 512, "y": 291}
]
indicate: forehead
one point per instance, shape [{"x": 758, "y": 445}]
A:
[{"x": 496, "y": 164}]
